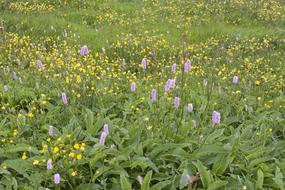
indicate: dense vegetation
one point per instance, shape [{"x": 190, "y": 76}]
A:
[{"x": 142, "y": 94}]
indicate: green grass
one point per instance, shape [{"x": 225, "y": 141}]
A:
[{"x": 163, "y": 144}]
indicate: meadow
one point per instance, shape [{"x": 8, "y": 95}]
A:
[{"x": 142, "y": 94}]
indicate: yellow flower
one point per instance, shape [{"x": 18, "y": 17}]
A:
[
  {"x": 79, "y": 156},
  {"x": 74, "y": 173},
  {"x": 24, "y": 156},
  {"x": 257, "y": 82},
  {"x": 30, "y": 114},
  {"x": 76, "y": 146},
  {"x": 44, "y": 102},
  {"x": 36, "y": 162},
  {"x": 270, "y": 130},
  {"x": 78, "y": 95},
  {"x": 55, "y": 150},
  {"x": 71, "y": 154}
]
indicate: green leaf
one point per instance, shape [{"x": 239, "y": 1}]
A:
[
  {"x": 278, "y": 179},
  {"x": 221, "y": 163},
  {"x": 260, "y": 179},
  {"x": 21, "y": 148},
  {"x": 217, "y": 185},
  {"x": 125, "y": 184},
  {"x": 206, "y": 176},
  {"x": 146, "y": 181},
  {"x": 184, "y": 180},
  {"x": 88, "y": 186},
  {"x": 161, "y": 185},
  {"x": 216, "y": 134}
]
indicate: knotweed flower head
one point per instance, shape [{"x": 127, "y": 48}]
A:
[
  {"x": 173, "y": 68},
  {"x": 15, "y": 77},
  {"x": 37, "y": 85},
  {"x": 5, "y": 88},
  {"x": 176, "y": 102},
  {"x": 190, "y": 107},
  {"x": 187, "y": 66},
  {"x": 40, "y": 64},
  {"x": 103, "y": 138},
  {"x": 124, "y": 63},
  {"x": 216, "y": 117},
  {"x": 133, "y": 87},
  {"x": 170, "y": 84},
  {"x": 235, "y": 79},
  {"x": 64, "y": 98},
  {"x": 50, "y": 131},
  {"x": 153, "y": 94},
  {"x": 140, "y": 179},
  {"x": 65, "y": 33},
  {"x": 49, "y": 164},
  {"x": 20, "y": 80},
  {"x": 205, "y": 82},
  {"x": 84, "y": 50},
  {"x": 144, "y": 63},
  {"x": 106, "y": 128},
  {"x": 56, "y": 178}
]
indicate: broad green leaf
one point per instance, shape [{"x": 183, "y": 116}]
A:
[
  {"x": 217, "y": 185},
  {"x": 125, "y": 184},
  {"x": 205, "y": 175},
  {"x": 260, "y": 179},
  {"x": 21, "y": 148},
  {"x": 146, "y": 181},
  {"x": 222, "y": 163},
  {"x": 161, "y": 185}
]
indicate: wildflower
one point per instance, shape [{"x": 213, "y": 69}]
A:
[
  {"x": 194, "y": 123},
  {"x": 133, "y": 87},
  {"x": 205, "y": 82},
  {"x": 65, "y": 33},
  {"x": 216, "y": 117},
  {"x": 73, "y": 173},
  {"x": 37, "y": 85},
  {"x": 55, "y": 150},
  {"x": 64, "y": 98},
  {"x": 176, "y": 102},
  {"x": 190, "y": 108},
  {"x": 30, "y": 114},
  {"x": 140, "y": 179},
  {"x": 102, "y": 138},
  {"x": 15, "y": 77},
  {"x": 78, "y": 95},
  {"x": 36, "y": 162},
  {"x": 56, "y": 178},
  {"x": 187, "y": 66},
  {"x": 76, "y": 146},
  {"x": 144, "y": 63},
  {"x": 170, "y": 84},
  {"x": 84, "y": 50},
  {"x": 235, "y": 79},
  {"x": 153, "y": 94},
  {"x": 50, "y": 131},
  {"x": 5, "y": 88},
  {"x": 40, "y": 64},
  {"x": 79, "y": 156},
  {"x": 257, "y": 82},
  {"x": 173, "y": 68},
  {"x": 71, "y": 154},
  {"x": 106, "y": 129},
  {"x": 24, "y": 156},
  {"x": 49, "y": 164}
]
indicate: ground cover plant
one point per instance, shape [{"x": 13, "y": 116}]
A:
[{"x": 142, "y": 94}]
